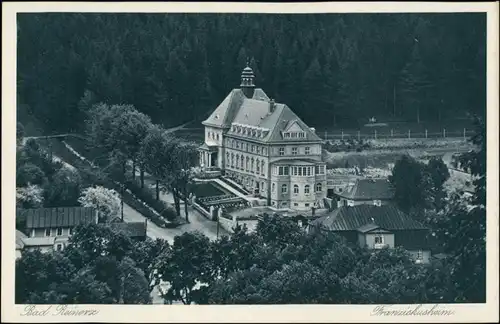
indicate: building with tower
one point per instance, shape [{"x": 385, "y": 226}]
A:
[{"x": 265, "y": 147}]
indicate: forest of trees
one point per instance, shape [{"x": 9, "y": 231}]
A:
[{"x": 329, "y": 68}]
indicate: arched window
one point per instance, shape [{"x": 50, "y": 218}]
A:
[
  {"x": 273, "y": 187},
  {"x": 319, "y": 187},
  {"x": 232, "y": 160},
  {"x": 242, "y": 162},
  {"x": 237, "y": 161},
  {"x": 262, "y": 167},
  {"x": 247, "y": 163},
  {"x": 227, "y": 158},
  {"x": 252, "y": 165},
  {"x": 295, "y": 189},
  {"x": 284, "y": 188},
  {"x": 306, "y": 189},
  {"x": 258, "y": 166}
]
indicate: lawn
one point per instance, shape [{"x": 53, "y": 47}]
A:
[{"x": 207, "y": 189}]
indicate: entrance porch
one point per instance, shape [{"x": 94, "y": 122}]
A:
[{"x": 209, "y": 156}]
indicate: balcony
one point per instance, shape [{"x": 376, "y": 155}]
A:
[
  {"x": 380, "y": 246},
  {"x": 210, "y": 173}
]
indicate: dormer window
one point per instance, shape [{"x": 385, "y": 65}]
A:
[{"x": 294, "y": 135}]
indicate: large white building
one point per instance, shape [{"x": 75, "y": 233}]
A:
[{"x": 265, "y": 147}]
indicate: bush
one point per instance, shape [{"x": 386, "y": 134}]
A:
[{"x": 148, "y": 197}]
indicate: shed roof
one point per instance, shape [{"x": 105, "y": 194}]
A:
[{"x": 132, "y": 229}]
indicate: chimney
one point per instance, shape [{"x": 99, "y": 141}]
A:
[{"x": 272, "y": 106}]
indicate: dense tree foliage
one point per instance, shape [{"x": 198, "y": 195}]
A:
[
  {"x": 41, "y": 181},
  {"x": 97, "y": 267},
  {"x": 330, "y": 68}
]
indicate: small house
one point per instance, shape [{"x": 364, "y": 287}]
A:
[
  {"x": 377, "y": 227},
  {"x": 56, "y": 225},
  {"x": 376, "y": 192}
]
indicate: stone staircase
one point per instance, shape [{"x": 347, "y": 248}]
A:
[{"x": 235, "y": 185}]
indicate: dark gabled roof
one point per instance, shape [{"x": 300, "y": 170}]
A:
[
  {"x": 369, "y": 189},
  {"x": 57, "y": 217},
  {"x": 255, "y": 112},
  {"x": 352, "y": 218},
  {"x": 368, "y": 227},
  {"x": 133, "y": 229},
  {"x": 226, "y": 112}
]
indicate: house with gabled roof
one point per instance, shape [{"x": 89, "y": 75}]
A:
[
  {"x": 51, "y": 227},
  {"x": 265, "y": 147},
  {"x": 377, "y": 227},
  {"x": 369, "y": 191}
]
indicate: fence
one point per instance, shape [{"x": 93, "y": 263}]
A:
[{"x": 396, "y": 134}]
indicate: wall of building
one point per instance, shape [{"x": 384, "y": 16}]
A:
[
  {"x": 40, "y": 232},
  {"x": 213, "y": 136},
  {"x": 314, "y": 151},
  {"x": 350, "y": 202}
]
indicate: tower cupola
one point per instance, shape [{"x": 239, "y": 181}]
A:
[{"x": 247, "y": 82}]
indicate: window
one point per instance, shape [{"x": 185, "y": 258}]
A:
[
  {"x": 247, "y": 163},
  {"x": 253, "y": 148},
  {"x": 59, "y": 231},
  {"x": 308, "y": 171},
  {"x": 318, "y": 187},
  {"x": 283, "y": 204},
  {"x": 295, "y": 189},
  {"x": 252, "y": 166},
  {"x": 420, "y": 256},
  {"x": 59, "y": 247},
  {"x": 246, "y": 147},
  {"x": 262, "y": 186},
  {"x": 227, "y": 158},
  {"x": 306, "y": 205},
  {"x": 284, "y": 188},
  {"x": 316, "y": 169},
  {"x": 300, "y": 171},
  {"x": 258, "y": 149},
  {"x": 306, "y": 189},
  {"x": 296, "y": 204},
  {"x": 264, "y": 151},
  {"x": 241, "y": 162},
  {"x": 294, "y": 151},
  {"x": 262, "y": 167},
  {"x": 232, "y": 160},
  {"x": 307, "y": 150},
  {"x": 47, "y": 232},
  {"x": 71, "y": 231},
  {"x": 217, "y": 137},
  {"x": 257, "y": 166},
  {"x": 273, "y": 187},
  {"x": 379, "y": 239},
  {"x": 282, "y": 151}
]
